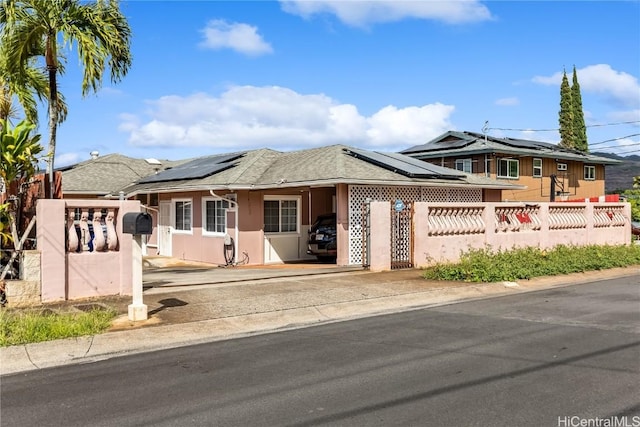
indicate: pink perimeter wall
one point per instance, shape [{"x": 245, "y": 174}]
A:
[{"x": 72, "y": 275}]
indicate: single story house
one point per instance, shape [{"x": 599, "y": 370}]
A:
[
  {"x": 103, "y": 176},
  {"x": 256, "y": 206},
  {"x": 548, "y": 171}
]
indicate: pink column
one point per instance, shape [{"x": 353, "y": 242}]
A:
[
  {"x": 420, "y": 236},
  {"x": 380, "y": 236},
  {"x": 51, "y": 224},
  {"x": 342, "y": 224}
]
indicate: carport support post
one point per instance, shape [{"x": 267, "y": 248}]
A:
[{"x": 137, "y": 310}]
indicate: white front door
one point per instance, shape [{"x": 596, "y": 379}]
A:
[
  {"x": 281, "y": 248},
  {"x": 282, "y": 230},
  {"x": 164, "y": 229}
]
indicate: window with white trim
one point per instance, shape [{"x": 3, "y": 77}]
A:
[
  {"x": 509, "y": 168},
  {"x": 590, "y": 173},
  {"x": 464, "y": 165},
  {"x": 537, "y": 168},
  {"x": 214, "y": 216},
  {"x": 182, "y": 209},
  {"x": 281, "y": 214}
]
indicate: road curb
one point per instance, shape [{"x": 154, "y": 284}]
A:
[{"x": 71, "y": 351}]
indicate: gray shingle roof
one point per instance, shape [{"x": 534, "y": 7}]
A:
[
  {"x": 330, "y": 165},
  {"x": 468, "y": 143},
  {"x": 107, "y": 174}
]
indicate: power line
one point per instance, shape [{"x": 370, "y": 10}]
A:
[
  {"x": 557, "y": 129},
  {"x": 614, "y": 124},
  {"x": 628, "y": 152},
  {"x": 620, "y": 146},
  {"x": 614, "y": 139}
]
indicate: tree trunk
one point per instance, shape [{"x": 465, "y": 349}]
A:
[{"x": 52, "y": 69}]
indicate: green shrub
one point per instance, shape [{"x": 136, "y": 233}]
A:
[
  {"x": 486, "y": 265},
  {"x": 29, "y": 326}
]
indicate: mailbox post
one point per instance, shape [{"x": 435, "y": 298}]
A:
[{"x": 137, "y": 224}]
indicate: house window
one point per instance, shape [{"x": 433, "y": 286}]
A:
[
  {"x": 590, "y": 173},
  {"x": 214, "y": 212},
  {"x": 562, "y": 166},
  {"x": 537, "y": 168},
  {"x": 508, "y": 168},
  {"x": 281, "y": 214},
  {"x": 182, "y": 215},
  {"x": 463, "y": 165}
]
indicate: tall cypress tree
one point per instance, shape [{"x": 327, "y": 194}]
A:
[
  {"x": 579, "y": 128},
  {"x": 566, "y": 114}
]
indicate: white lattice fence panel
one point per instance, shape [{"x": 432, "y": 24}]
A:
[
  {"x": 465, "y": 195},
  {"x": 408, "y": 194},
  {"x": 358, "y": 194},
  {"x": 435, "y": 195}
]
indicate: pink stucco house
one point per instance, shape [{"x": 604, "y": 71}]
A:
[{"x": 256, "y": 207}]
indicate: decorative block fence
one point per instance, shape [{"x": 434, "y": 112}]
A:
[
  {"x": 83, "y": 252},
  {"x": 442, "y": 231}
]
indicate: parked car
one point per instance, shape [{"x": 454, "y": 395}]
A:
[
  {"x": 322, "y": 238},
  {"x": 635, "y": 228}
]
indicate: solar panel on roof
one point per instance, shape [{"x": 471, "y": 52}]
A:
[
  {"x": 405, "y": 165},
  {"x": 438, "y": 146},
  {"x": 186, "y": 173},
  {"x": 198, "y": 168},
  {"x": 523, "y": 143}
]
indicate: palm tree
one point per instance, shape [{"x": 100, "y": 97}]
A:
[
  {"x": 98, "y": 30},
  {"x": 33, "y": 83}
]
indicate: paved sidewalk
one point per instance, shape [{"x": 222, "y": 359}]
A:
[{"x": 196, "y": 304}]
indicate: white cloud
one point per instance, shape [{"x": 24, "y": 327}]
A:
[
  {"x": 616, "y": 87},
  {"x": 626, "y": 116},
  {"x": 360, "y": 13},
  {"x": 392, "y": 125},
  {"x": 244, "y": 38},
  {"x": 507, "y": 102},
  {"x": 66, "y": 159},
  {"x": 247, "y": 117}
]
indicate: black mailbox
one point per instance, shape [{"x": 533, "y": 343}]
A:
[{"x": 137, "y": 223}]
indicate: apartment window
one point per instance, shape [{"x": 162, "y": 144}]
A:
[
  {"x": 215, "y": 216},
  {"x": 463, "y": 165},
  {"x": 281, "y": 214},
  {"x": 182, "y": 215},
  {"x": 562, "y": 166},
  {"x": 508, "y": 168},
  {"x": 590, "y": 173},
  {"x": 537, "y": 168}
]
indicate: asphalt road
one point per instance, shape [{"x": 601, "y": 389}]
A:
[{"x": 548, "y": 358}]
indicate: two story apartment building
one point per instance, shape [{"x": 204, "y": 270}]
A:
[{"x": 549, "y": 172}]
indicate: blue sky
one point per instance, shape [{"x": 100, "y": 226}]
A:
[{"x": 221, "y": 76}]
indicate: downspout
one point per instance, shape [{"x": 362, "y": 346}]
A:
[
  {"x": 309, "y": 207},
  {"x": 145, "y": 242},
  {"x": 306, "y": 238},
  {"x": 235, "y": 240}
]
